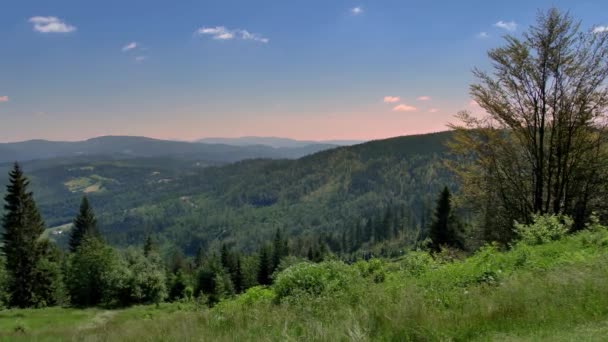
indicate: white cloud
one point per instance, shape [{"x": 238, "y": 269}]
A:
[
  {"x": 51, "y": 25},
  {"x": 433, "y": 110},
  {"x": 130, "y": 46},
  {"x": 507, "y": 25},
  {"x": 223, "y": 33},
  {"x": 4, "y": 98},
  {"x": 391, "y": 99},
  {"x": 600, "y": 29},
  {"x": 404, "y": 108},
  {"x": 140, "y": 58},
  {"x": 356, "y": 10},
  {"x": 424, "y": 98},
  {"x": 483, "y": 35}
]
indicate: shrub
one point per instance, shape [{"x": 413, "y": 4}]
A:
[
  {"x": 256, "y": 294},
  {"x": 96, "y": 275},
  {"x": 545, "y": 228},
  {"x": 147, "y": 281},
  {"x": 417, "y": 263},
  {"x": 307, "y": 279},
  {"x": 374, "y": 269}
]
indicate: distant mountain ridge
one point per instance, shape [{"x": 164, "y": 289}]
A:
[
  {"x": 134, "y": 146},
  {"x": 276, "y": 142}
]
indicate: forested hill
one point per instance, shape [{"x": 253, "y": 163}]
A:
[
  {"x": 133, "y": 147},
  {"x": 245, "y": 202}
]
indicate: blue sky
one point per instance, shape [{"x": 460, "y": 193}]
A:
[{"x": 339, "y": 69}]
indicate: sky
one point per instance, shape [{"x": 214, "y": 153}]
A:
[{"x": 316, "y": 69}]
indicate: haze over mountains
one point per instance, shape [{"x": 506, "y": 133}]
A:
[
  {"x": 276, "y": 141},
  {"x": 220, "y": 150}
]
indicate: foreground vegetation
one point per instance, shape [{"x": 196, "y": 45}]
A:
[{"x": 554, "y": 291}]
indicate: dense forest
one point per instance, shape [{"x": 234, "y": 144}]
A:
[{"x": 494, "y": 230}]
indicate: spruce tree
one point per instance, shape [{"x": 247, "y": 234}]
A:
[
  {"x": 149, "y": 246},
  {"x": 22, "y": 229},
  {"x": 444, "y": 227},
  {"x": 279, "y": 249},
  {"x": 265, "y": 270},
  {"x": 85, "y": 224}
]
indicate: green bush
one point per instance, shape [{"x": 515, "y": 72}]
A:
[
  {"x": 307, "y": 279},
  {"x": 545, "y": 228},
  {"x": 97, "y": 275},
  {"x": 256, "y": 294},
  {"x": 374, "y": 269},
  {"x": 417, "y": 263},
  {"x": 147, "y": 281}
]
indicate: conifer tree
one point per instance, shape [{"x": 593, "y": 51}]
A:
[
  {"x": 265, "y": 270},
  {"x": 84, "y": 224},
  {"x": 444, "y": 227},
  {"x": 279, "y": 250},
  {"x": 149, "y": 246},
  {"x": 22, "y": 228},
  {"x": 238, "y": 276}
]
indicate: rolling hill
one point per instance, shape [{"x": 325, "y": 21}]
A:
[
  {"x": 134, "y": 147},
  {"x": 188, "y": 205}
]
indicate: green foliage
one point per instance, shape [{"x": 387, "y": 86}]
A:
[
  {"x": 330, "y": 278},
  {"x": 416, "y": 263},
  {"x": 550, "y": 292},
  {"x": 374, "y": 269},
  {"x": 445, "y": 228},
  {"x": 545, "y": 228},
  {"x": 4, "y": 295},
  {"x": 147, "y": 282},
  {"x": 84, "y": 224},
  {"x": 49, "y": 283},
  {"x": 256, "y": 295},
  {"x": 31, "y": 277},
  {"x": 97, "y": 275}
]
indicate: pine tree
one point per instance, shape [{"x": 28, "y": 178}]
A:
[
  {"x": 444, "y": 227},
  {"x": 22, "y": 228},
  {"x": 238, "y": 276},
  {"x": 149, "y": 246},
  {"x": 265, "y": 270},
  {"x": 279, "y": 249},
  {"x": 84, "y": 224}
]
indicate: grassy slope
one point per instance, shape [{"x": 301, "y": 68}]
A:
[{"x": 553, "y": 292}]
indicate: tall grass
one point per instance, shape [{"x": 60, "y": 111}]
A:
[{"x": 555, "y": 291}]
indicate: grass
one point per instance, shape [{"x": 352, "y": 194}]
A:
[
  {"x": 89, "y": 184},
  {"x": 551, "y": 292}
]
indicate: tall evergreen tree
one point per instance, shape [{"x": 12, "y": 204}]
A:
[
  {"x": 265, "y": 269},
  {"x": 149, "y": 246},
  {"x": 444, "y": 227},
  {"x": 279, "y": 249},
  {"x": 84, "y": 224},
  {"x": 238, "y": 276},
  {"x": 22, "y": 228}
]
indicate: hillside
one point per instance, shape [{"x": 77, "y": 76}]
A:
[
  {"x": 189, "y": 206},
  {"x": 276, "y": 142},
  {"x": 141, "y": 147},
  {"x": 502, "y": 296}
]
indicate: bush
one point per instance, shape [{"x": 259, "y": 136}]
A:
[
  {"x": 306, "y": 279},
  {"x": 417, "y": 263},
  {"x": 254, "y": 295},
  {"x": 545, "y": 228},
  {"x": 147, "y": 281},
  {"x": 373, "y": 269},
  {"x": 96, "y": 275}
]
